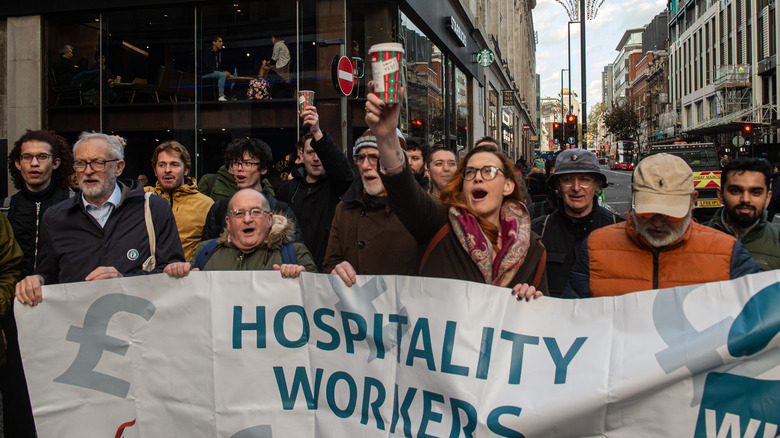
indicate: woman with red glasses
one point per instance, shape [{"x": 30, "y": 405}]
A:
[{"x": 481, "y": 231}]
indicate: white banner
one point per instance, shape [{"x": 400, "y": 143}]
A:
[{"x": 249, "y": 354}]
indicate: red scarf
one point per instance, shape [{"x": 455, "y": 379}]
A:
[{"x": 515, "y": 241}]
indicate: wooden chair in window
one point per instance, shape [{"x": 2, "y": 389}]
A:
[{"x": 64, "y": 91}]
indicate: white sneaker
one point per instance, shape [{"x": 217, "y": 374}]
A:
[{"x": 222, "y": 99}]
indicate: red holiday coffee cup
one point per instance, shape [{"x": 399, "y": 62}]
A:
[
  {"x": 386, "y": 60},
  {"x": 305, "y": 99}
]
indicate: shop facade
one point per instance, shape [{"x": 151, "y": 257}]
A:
[{"x": 149, "y": 63}]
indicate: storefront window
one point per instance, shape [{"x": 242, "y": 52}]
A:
[
  {"x": 493, "y": 113},
  {"x": 424, "y": 103},
  {"x": 148, "y": 75},
  {"x": 461, "y": 110}
]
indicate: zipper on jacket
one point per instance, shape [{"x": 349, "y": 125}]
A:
[
  {"x": 37, "y": 223},
  {"x": 655, "y": 269},
  {"x": 240, "y": 260}
]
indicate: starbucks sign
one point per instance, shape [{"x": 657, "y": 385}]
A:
[{"x": 485, "y": 57}]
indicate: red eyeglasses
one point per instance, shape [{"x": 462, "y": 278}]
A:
[{"x": 667, "y": 217}]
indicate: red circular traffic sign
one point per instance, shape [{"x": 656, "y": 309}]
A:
[{"x": 346, "y": 75}]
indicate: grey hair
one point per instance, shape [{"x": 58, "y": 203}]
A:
[
  {"x": 65, "y": 49},
  {"x": 115, "y": 149}
]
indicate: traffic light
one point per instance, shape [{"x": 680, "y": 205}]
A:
[
  {"x": 556, "y": 134},
  {"x": 571, "y": 130},
  {"x": 746, "y": 131}
]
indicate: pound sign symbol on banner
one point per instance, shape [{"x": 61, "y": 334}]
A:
[{"x": 93, "y": 340}]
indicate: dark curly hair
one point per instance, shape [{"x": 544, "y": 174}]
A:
[{"x": 59, "y": 150}]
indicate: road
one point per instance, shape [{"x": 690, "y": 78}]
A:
[{"x": 618, "y": 194}]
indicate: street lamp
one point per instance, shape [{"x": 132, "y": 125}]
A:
[
  {"x": 569, "y": 41},
  {"x": 562, "y": 112}
]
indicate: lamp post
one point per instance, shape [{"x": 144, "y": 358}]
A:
[
  {"x": 569, "y": 41},
  {"x": 562, "y": 111},
  {"x": 583, "y": 68}
]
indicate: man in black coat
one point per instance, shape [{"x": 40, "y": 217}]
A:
[
  {"x": 577, "y": 182},
  {"x": 40, "y": 164},
  {"x": 317, "y": 185}
]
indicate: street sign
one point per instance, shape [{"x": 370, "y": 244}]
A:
[
  {"x": 508, "y": 97},
  {"x": 571, "y": 140},
  {"x": 526, "y": 126},
  {"x": 555, "y": 141},
  {"x": 485, "y": 57},
  {"x": 344, "y": 76},
  {"x": 738, "y": 140}
]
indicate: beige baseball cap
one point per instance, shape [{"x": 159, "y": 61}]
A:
[{"x": 662, "y": 184}]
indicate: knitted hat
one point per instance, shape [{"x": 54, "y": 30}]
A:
[{"x": 369, "y": 140}]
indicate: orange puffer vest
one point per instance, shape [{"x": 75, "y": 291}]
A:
[{"x": 621, "y": 261}]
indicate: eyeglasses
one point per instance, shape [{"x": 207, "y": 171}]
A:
[
  {"x": 240, "y": 213},
  {"x": 488, "y": 172},
  {"x": 42, "y": 158},
  {"x": 372, "y": 158},
  {"x": 245, "y": 164},
  {"x": 584, "y": 181},
  {"x": 97, "y": 165},
  {"x": 667, "y": 217}
]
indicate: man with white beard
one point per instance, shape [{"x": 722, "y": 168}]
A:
[
  {"x": 102, "y": 233},
  {"x": 658, "y": 246}
]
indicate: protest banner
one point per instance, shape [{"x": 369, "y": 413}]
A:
[{"x": 250, "y": 354}]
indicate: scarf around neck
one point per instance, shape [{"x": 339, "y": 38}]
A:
[{"x": 515, "y": 240}]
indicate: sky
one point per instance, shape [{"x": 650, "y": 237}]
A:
[{"x": 602, "y": 36}]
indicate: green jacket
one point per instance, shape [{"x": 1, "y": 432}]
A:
[
  {"x": 761, "y": 239},
  {"x": 224, "y": 184},
  {"x": 223, "y": 187},
  {"x": 226, "y": 257},
  {"x": 10, "y": 262}
]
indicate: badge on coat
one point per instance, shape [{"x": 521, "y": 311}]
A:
[{"x": 132, "y": 254}]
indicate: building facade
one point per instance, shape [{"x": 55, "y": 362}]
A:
[
  {"x": 723, "y": 73},
  {"x": 149, "y": 61}
]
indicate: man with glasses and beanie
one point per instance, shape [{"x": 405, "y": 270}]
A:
[
  {"x": 255, "y": 239},
  {"x": 102, "y": 233},
  {"x": 659, "y": 246},
  {"x": 577, "y": 182},
  {"x": 366, "y": 236},
  {"x": 248, "y": 160}
]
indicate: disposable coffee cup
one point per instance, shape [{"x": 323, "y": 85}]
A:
[
  {"x": 386, "y": 59},
  {"x": 305, "y": 99}
]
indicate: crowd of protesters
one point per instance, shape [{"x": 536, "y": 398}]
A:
[{"x": 404, "y": 209}]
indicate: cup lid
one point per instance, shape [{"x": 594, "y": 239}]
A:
[{"x": 386, "y": 47}]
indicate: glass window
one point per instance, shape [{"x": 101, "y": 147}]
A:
[
  {"x": 425, "y": 91},
  {"x": 461, "y": 109},
  {"x": 186, "y": 73}
]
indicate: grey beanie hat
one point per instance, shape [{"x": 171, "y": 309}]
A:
[{"x": 577, "y": 161}]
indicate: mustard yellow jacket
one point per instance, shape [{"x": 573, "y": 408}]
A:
[{"x": 190, "y": 208}]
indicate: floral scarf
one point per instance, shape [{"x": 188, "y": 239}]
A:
[
  {"x": 258, "y": 89},
  {"x": 515, "y": 241}
]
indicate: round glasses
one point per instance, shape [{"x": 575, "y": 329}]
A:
[
  {"x": 585, "y": 181},
  {"x": 488, "y": 172},
  {"x": 240, "y": 213}
]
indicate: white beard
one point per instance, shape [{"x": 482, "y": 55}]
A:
[{"x": 672, "y": 234}]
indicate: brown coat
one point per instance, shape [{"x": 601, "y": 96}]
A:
[
  {"x": 424, "y": 216},
  {"x": 371, "y": 238}
]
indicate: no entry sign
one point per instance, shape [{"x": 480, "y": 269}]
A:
[{"x": 343, "y": 75}]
